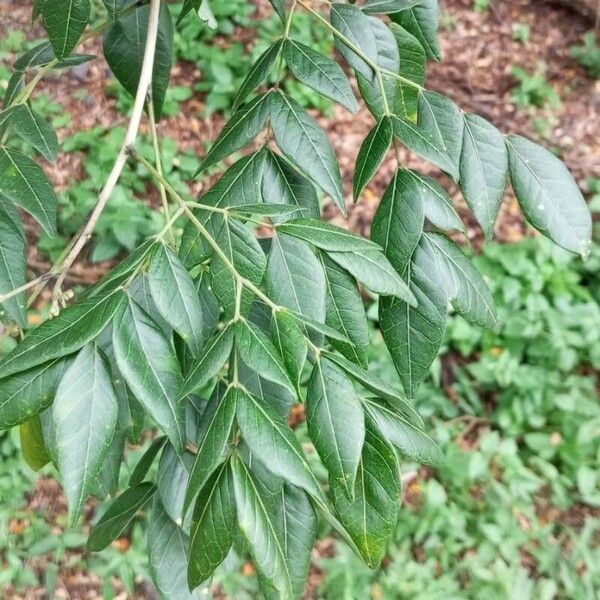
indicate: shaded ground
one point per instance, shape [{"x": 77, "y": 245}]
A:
[{"x": 479, "y": 52}]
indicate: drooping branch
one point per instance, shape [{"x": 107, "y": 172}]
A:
[{"x": 130, "y": 137}]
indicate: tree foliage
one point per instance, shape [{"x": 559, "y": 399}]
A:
[{"x": 211, "y": 335}]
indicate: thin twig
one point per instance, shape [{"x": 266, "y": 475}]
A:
[{"x": 130, "y": 137}]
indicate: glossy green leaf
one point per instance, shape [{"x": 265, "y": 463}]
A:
[
  {"x": 245, "y": 124},
  {"x": 259, "y": 72},
  {"x": 404, "y": 435},
  {"x": 345, "y": 311},
  {"x": 214, "y": 355},
  {"x": 371, "y": 155},
  {"x": 172, "y": 480},
  {"x": 414, "y": 334},
  {"x": 176, "y": 297},
  {"x": 422, "y": 21},
  {"x": 24, "y": 395},
  {"x": 279, "y": 7},
  {"x": 85, "y": 413},
  {"x": 261, "y": 531},
  {"x": 354, "y": 25},
  {"x": 413, "y": 60},
  {"x": 336, "y": 423},
  {"x": 269, "y": 436},
  {"x": 113, "y": 7},
  {"x": 371, "y": 517},
  {"x": 375, "y": 271},
  {"x": 294, "y": 277},
  {"x": 13, "y": 267},
  {"x": 243, "y": 252},
  {"x": 260, "y": 354},
  {"x": 119, "y": 515},
  {"x": 282, "y": 184},
  {"x": 213, "y": 526},
  {"x": 438, "y": 134},
  {"x": 326, "y": 236},
  {"x": 72, "y": 329},
  {"x": 303, "y": 141},
  {"x": 549, "y": 196},
  {"x": 23, "y": 182},
  {"x": 65, "y": 21},
  {"x": 398, "y": 220},
  {"x": 147, "y": 360},
  {"x": 33, "y": 128},
  {"x": 385, "y": 7},
  {"x": 124, "y": 44},
  {"x": 290, "y": 343},
  {"x": 319, "y": 72},
  {"x": 267, "y": 210},
  {"x": 213, "y": 441},
  {"x": 33, "y": 447},
  {"x": 143, "y": 465},
  {"x": 168, "y": 555},
  {"x": 483, "y": 170},
  {"x": 377, "y": 386},
  {"x": 465, "y": 287},
  {"x": 43, "y": 54},
  {"x": 437, "y": 204}
]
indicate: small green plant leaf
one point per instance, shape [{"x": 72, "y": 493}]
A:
[
  {"x": 422, "y": 21},
  {"x": 65, "y": 21},
  {"x": 33, "y": 128}
]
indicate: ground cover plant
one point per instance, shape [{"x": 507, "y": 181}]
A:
[{"x": 212, "y": 334}]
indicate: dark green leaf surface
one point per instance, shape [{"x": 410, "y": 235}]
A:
[
  {"x": 375, "y": 271},
  {"x": 422, "y": 21},
  {"x": 413, "y": 61},
  {"x": 385, "y": 7},
  {"x": 260, "y": 354},
  {"x": 23, "y": 182},
  {"x": 414, "y": 334},
  {"x": 176, "y": 297},
  {"x": 464, "y": 285},
  {"x": 371, "y": 155},
  {"x": 65, "y": 21},
  {"x": 261, "y": 531},
  {"x": 73, "y": 328},
  {"x": 438, "y": 134},
  {"x": 282, "y": 184},
  {"x": 168, "y": 555},
  {"x": 119, "y": 515},
  {"x": 214, "y": 355},
  {"x": 303, "y": 141},
  {"x": 259, "y": 71},
  {"x": 113, "y": 7},
  {"x": 336, "y": 423},
  {"x": 24, "y": 395},
  {"x": 213, "y": 526},
  {"x": 319, "y": 72},
  {"x": 377, "y": 386},
  {"x": 326, "y": 236},
  {"x": 398, "y": 221},
  {"x": 437, "y": 204},
  {"x": 43, "y": 53},
  {"x": 345, "y": 311},
  {"x": 33, "y": 128},
  {"x": 172, "y": 481},
  {"x": 269, "y": 436},
  {"x": 402, "y": 434},
  {"x": 290, "y": 343},
  {"x": 371, "y": 517},
  {"x": 483, "y": 170},
  {"x": 124, "y": 44},
  {"x": 294, "y": 278},
  {"x": 13, "y": 268},
  {"x": 143, "y": 465},
  {"x": 267, "y": 210},
  {"x": 355, "y": 26},
  {"x": 149, "y": 365},
  {"x": 85, "y": 417},
  {"x": 246, "y": 123},
  {"x": 549, "y": 196},
  {"x": 213, "y": 440}
]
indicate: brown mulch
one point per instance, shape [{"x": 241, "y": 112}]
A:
[{"x": 478, "y": 54}]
